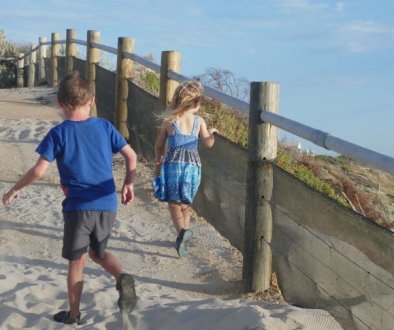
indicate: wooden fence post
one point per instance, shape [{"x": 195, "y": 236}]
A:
[
  {"x": 124, "y": 68},
  {"x": 262, "y": 151},
  {"x": 92, "y": 57},
  {"x": 170, "y": 61},
  {"x": 55, "y": 52},
  {"x": 31, "y": 74},
  {"x": 19, "y": 72},
  {"x": 42, "y": 54},
  {"x": 71, "y": 49}
]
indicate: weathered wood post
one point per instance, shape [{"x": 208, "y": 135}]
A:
[
  {"x": 262, "y": 151},
  {"x": 19, "y": 72},
  {"x": 42, "y": 54},
  {"x": 170, "y": 61},
  {"x": 92, "y": 57},
  {"x": 124, "y": 69},
  {"x": 71, "y": 49},
  {"x": 55, "y": 52},
  {"x": 31, "y": 74}
]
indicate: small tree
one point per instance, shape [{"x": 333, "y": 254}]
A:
[
  {"x": 231, "y": 123},
  {"x": 9, "y": 50},
  {"x": 226, "y": 82}
]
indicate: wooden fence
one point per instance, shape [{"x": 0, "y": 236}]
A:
[{"x": 264, "y": 122}]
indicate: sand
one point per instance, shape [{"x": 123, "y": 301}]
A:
[{"x": 202, "y": 291}]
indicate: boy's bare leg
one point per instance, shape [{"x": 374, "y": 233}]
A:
[
  {"x": 75, "y": 283},
  {"x": 176, "y": 215},
  {"x": 124, "y": 282},
  {"x": 186, "y": 216},
  {"x": 109, "y": 263}
]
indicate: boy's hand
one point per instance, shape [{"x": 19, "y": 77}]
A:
[
  {"x": 127, "y": 193},
  {"x": 9, "y": 196}
]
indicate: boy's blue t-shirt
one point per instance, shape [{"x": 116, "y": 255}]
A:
[{"x": 83, "y": 152}]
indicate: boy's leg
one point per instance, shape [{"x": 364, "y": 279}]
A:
[
  {"x": 109, "y": 263},
  {"x": 124, "y": 282},
  {"x": 75, "y": 244},
  {"x": 97, "y": 251},
  {"x": 75, "y": 284}
]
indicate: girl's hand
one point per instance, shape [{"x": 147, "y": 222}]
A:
[
  {"x": 157, "y": 169},
  {"x": 212, "y": 130},
  {"x": 9, "y": 196}
]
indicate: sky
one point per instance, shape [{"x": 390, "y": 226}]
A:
[{"x": 334, "y": 60}]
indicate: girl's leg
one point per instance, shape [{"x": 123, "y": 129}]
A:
[
  {"x": 181, "y": 217},
  {"x": 186, "y": 216},
  {"x": 176, "y": 215}
]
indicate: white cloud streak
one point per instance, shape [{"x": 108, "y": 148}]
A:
[{"x": 366, "y": 36}]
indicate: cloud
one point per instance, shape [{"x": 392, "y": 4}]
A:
[
  {"x": 304, "y": 5},
  {"x": 340, "y": 6},
  {"x": 344, "y": 80},
  {"x": 366, "y": 36}
]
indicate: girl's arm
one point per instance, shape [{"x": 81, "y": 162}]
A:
[
  {"x": 206, "y": 135},
  {"x": 34, "y": 174},
  {"x": 131, "y": 164},
  {"x": 160, "y": 146}
]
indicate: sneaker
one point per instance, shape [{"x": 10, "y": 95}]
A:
[
  {"x": 182, "y": 241},
  {"x": 127, "y": 296},
  {"x": 64, "y": 317}
]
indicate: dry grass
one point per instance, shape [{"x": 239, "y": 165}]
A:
[{"x": 273, "y": 294}]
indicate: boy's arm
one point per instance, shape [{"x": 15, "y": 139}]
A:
[
  {"x": 131, "y": 165},
  {"x": 34, "y": 174}
]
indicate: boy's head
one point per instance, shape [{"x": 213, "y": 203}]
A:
[{"x": 74, "y": 91}]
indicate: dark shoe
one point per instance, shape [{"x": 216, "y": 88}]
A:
[
  {"x": 64, "y": 317},
  {"x": 127, "y": 296},
  {"x": 182, "y": 241}
]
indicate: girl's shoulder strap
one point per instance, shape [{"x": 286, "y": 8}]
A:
[
  {"x": 195, "y": 125},
  {"x": 175, "y": 126}
]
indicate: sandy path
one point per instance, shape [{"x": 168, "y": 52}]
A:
[{"x": 201, "y": 291}]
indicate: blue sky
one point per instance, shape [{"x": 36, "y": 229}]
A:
[{"x": 334, "y": 60}]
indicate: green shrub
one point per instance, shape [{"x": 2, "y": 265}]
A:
[
  {"x": 151, "y": 81},
  {"x": 234, "y": 127},
  {"x": 229, "y": 124}
]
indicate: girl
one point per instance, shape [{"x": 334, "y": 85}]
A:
[{"x": 180, "y": 167}]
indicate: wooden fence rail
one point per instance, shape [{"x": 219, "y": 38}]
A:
[{"x": 262, "y": 109}]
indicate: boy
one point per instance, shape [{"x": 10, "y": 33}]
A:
[{"x": 83, "y": 148}]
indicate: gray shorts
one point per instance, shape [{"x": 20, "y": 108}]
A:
[{"x": 83, "y": 229}]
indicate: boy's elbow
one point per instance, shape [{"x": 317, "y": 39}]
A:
[
  {"x": 128, "y": 153},
  {"x": 133, "y": 154},
  {"x": 37, "y": 173}
]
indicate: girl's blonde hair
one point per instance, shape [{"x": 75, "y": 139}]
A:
[{"x": 186, "y": 96}]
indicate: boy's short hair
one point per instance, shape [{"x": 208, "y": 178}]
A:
[{"x": 74, "y": 91}]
